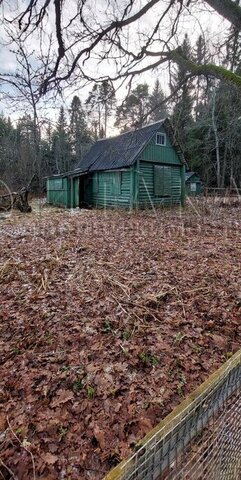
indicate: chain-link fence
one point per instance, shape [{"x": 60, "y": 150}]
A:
[{"x": 200, "y": 439}]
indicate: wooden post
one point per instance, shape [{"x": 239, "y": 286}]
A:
[
  {"x": 183, "y": 187},
  {"x": 136, "y": 183},
  {"x": 132, "y": 187},
  {"x": 71, "y": 192}
]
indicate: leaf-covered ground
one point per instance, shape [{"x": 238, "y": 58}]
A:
[{"x": 107, "y": 320}]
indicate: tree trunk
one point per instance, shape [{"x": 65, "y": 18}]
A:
[
  {"x": 215, "y": 131},
  {"x": 227, "y": 9},
  {"x": 106, "y": 114},
  {"x": 224, "y": 163}
]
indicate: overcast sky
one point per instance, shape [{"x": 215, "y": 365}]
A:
[{"x": 201, "y": 21}]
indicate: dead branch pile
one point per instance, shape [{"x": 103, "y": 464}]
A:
[{"x": 17, "y": 200}]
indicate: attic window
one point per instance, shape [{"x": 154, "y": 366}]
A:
[{"x": 161, "y": 139}]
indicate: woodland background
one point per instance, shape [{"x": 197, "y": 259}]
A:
[{"x": 205, "y": 112}]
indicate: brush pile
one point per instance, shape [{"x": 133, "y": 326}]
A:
[{"x": 17, "y": 200}]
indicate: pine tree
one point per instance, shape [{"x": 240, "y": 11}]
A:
[
  {"x": 182, "y": 112},
  {"x": 100, "y": 104},
  {"x": 233, "y": 46},
  {"x": 200, "y": 56},
  {"x": 133, "y": 112},
  {"x": 7, "y": 141},
  {"x": 47, "y": 156},
  {"x": 107, "y": 100},
  {"x": 225, "y": 114},
  {"x": 25, "y": 163},
  {"x": 158, "y": 109},
  {"x": 61, "y": 144},
  {"x": 78, "y": 131}
]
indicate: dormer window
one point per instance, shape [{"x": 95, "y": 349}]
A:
[{"x": 161, "y": 139}]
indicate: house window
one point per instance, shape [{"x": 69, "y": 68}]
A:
[
  {"x": 162, "y": 181},
  {"x": 161, "y": 139},
  {"x": 193, "y": 187}
]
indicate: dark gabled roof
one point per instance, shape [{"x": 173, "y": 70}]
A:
[
  {"x": 122, "y": 151},
  {"x": 188, "y": 175}
]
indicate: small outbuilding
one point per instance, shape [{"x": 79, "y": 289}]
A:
[
  {"x": 140, "y": 168},
  {"x": 193, "y": 184}
]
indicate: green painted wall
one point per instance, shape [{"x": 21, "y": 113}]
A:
[
  {"x": 110, "y": 189},
  {"x": 147, "y": 196},
  {"x": 76, "y": 192},
  {"x": 58, "y": 191},
  {"x": 130, "y": 187},
  {"x": 194, "y": 179},
  {"x": 158, "y": 153}
]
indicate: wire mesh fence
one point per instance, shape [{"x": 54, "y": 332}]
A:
[
  {"x": 216, "y": 453},
  {"x": 200, "y": 440}
]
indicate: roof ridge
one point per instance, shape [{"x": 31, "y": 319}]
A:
[
  {"x": 122, "y": 150},
  {"x": 133, "y": 131}
]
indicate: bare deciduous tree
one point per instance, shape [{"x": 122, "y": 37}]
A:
[{"x": 84, "y": 34}]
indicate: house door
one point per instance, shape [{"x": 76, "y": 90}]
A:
[{"x": 84, "y": 191}]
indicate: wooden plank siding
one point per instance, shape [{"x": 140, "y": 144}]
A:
[
  {"x": 160, "y": 153},
  {"x": 193, "y": 179},
  {"x": 157, "y": 153},
  {"x": 146, "y": 197},
  {"x": 76, "y": 192},
  {"x": 58, "y": 191},
  {"x": 154, "y": 175},
  {"x": 110, "y": 189}
]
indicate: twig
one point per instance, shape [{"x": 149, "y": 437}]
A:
[
  {"x": 118, "y": 284},
  {"x": 143, "y": 307},
  {"x": 25, "y": 448},
  {"x": 119, "y": 305},
  {"x": 8, "y": 469},
  {"x": 196, "y": 289},
  {"x": 3, "y": 268},
  {"x": 182, "y": 303}
]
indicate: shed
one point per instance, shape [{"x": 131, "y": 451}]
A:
[
  {"x": 193, "y": 184},
  {"x": 140, "y": 168}
]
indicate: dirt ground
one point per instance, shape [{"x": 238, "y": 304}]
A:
[{"x": 108, "y": 319}]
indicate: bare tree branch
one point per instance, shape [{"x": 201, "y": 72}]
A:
[
  {"x": 227, "y": 9},
  {"x": 79, "y": 39}
]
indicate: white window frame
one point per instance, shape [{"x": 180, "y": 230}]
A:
[
  {"x": 164, "y": 137},
  {"x": 193, "y": 187}
]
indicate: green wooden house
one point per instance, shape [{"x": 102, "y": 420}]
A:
[
  {"x": 193, "y": 184},
  {"x": 140, "y": 168}
]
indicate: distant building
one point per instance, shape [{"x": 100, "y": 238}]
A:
[
  {"x": 193, "y": 184},
  {"x": 140, "y": 168}
]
